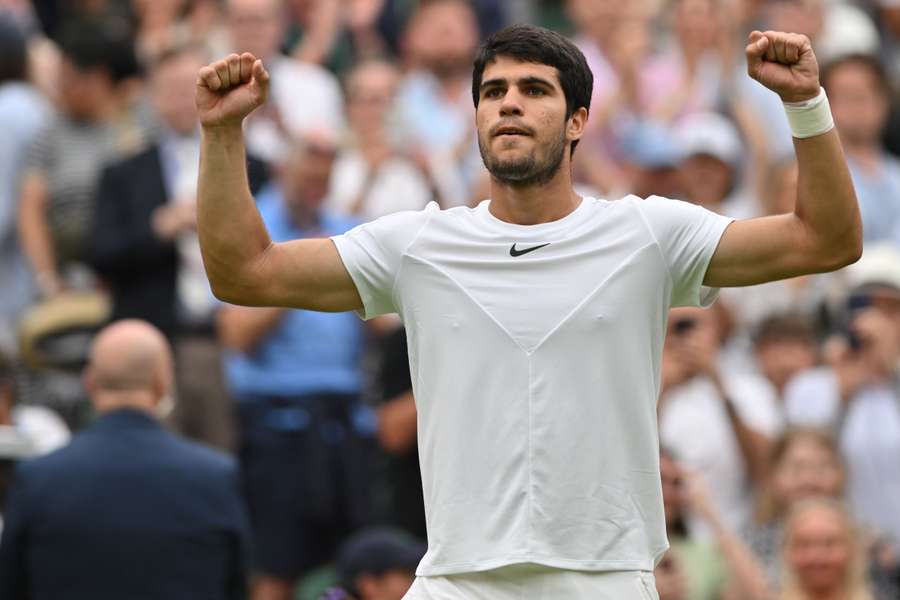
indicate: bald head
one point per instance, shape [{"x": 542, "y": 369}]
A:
[{"x": 130, "y": 365}]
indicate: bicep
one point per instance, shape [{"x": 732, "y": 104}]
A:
[
  {"x": 307, "y": 274},
  {"x": 758, "y": 250}
]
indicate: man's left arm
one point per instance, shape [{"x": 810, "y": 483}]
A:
[{"x": 824, "y": 233}]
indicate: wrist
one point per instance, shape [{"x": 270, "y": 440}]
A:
[
  {"x": 223, "y": 131},
  {"x": 809, "y": 117}
]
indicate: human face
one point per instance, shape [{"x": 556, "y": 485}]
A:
[
  {"x": 173, "y": 92},
  {"x": 443, "y": 38},
  {"x": 255, "y": 26},
  {"x": 306, "y": 177},
  {"x": 391, "y": 585},
  {"x": 523, "y": 132},
  {"x": 806, "y": 469},
  {"x": 672, "y": 488},
  {"x": 780, "y": 360},
  {"x": 83, "y": 92},
  {"x": 819, "y": 551},
  {"x": 370, "y": 95},
  {"x": 706, "y": 180},
  {"x": 857, "y": 103}
]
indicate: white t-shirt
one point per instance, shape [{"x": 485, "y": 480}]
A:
[
  {"x": 534, "y": 354},
  {"x": 694, "y": 425}
]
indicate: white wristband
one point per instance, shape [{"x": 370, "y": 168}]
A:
[{"x": 811, "y": 117}]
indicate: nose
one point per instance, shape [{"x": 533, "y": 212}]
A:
[{"x": 511, "y": 104}]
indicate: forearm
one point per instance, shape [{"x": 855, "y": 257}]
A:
[
  {"x": 34, "y": 235},
  {"x": 826, "y": 201},
  {"x": 753, "y": 445},
  {"x": 746, "y": 572},
  {"x": 231, "y": 232}
]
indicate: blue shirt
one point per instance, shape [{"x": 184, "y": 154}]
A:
[
  {"x": 879, "y": 199},
  {"x": 23, "y": 113},
  {"x": 308, "y": 352}
]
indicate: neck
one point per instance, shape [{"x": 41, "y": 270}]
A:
[
  {"x": 106, "y": 401},
  {"x": 863, "y": 151},
  {"x": 535, "y": 204}
]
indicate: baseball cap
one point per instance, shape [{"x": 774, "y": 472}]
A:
[
  {"x": 650, "y": 145},
  {"x": 711, "y": 134},
  {"x": 375, "y": 551}
]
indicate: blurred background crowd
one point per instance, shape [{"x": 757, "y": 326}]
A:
[{"x": 779, "y": 414}]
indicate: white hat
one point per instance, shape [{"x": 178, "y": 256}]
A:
[
  {"x": 879, "y": 265},
  {"x": 709, "y": 133}
]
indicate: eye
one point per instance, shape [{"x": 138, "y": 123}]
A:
[
  {"x": 534, "y": 91},
  {"x": 493, "y": 93}
]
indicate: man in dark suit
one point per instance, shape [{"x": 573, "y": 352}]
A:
[
  {"x": 127, "y": 510},
  {"x": 144, "y": 246}
]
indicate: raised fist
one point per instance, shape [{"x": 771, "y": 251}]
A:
[
  {"x": 784, "y": 63},
  {"x": 230, "y": 89}
]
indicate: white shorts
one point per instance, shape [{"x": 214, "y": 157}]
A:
[{"x": 536, "y": 582}]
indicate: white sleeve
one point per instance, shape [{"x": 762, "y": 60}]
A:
[
  {"x": 687, "y": 236},
  {"x": 756, "y": 402},
  {"x": 812, "y": 398},
  {"x": 372, "y": 253}
]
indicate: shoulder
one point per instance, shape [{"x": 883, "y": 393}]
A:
[
  {"x": 409, "y": 221},
  {"x": 202, "y": 459},
  {"x": 146, "y": 155}
]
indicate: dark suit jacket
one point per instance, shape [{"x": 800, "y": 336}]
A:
[
  {"x": 140, "y": 269},
  {"x": 126, "y": 511}
]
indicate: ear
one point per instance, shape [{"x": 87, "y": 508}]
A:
[
  {"x": 576, "y": 124},
  {"x": 89, "y": 381}
]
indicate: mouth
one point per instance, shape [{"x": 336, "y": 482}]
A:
[{"x": 510, "y": 131}]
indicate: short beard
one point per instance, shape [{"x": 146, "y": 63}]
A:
[{"x": 525, "y": 172}]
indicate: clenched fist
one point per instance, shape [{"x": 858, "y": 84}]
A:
[
  {"x": 784, "y": 63},
  {"x": 230, "y": 89}
]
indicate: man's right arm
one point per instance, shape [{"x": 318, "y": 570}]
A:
[{"x": 244, "y": 266}]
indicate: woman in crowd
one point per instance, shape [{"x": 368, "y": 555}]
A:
[
  {"x": 824, "y": 558},
  {"x": 805, "y": 463}
]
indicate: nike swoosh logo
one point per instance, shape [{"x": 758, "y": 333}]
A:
[{"x": 514, "y": 252}]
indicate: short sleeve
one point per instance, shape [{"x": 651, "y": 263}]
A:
[
  {"x": 756, "y": 402},
  {"x": 38, "y": 156},
  {"x": 373, "y": 252},
  {"x": 687, "y": 235}
]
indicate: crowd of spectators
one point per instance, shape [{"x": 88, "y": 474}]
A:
[{"x": 779, "y": 410}]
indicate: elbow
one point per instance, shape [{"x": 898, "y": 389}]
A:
[{"x": 837, "y": 255}]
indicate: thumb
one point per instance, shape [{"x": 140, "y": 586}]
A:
[
  {"x": 260, "y": 80},
  {"x": 756, "y": 51},
  {"x": 757, "y": 47}
]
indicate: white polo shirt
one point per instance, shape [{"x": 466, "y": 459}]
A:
[{"x": 534, "y": 353}]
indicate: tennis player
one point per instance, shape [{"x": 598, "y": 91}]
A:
[{"x": 536, "y": 319}]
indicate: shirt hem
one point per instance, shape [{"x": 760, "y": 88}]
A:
[{"x": 557, "y": 563}]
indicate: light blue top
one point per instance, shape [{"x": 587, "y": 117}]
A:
[
  {"x": 879, "y": 199},
  {"x": 308, "y": 352},
  {"x": 23, "y": 113}
]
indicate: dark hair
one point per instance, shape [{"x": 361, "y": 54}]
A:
[
  {"x": 544, "y": 47},
  {"x": 96, "y": 44},
  {"x": 13, "y": 52},
  {"x": 175, "y": 51},
  {"x": 784, "y": 327},
  {"x": 867, "y": 62}
]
